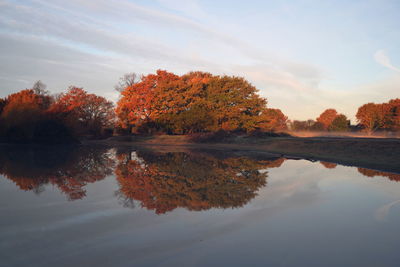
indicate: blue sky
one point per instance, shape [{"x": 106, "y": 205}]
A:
[{"x": 303, "y": 56}]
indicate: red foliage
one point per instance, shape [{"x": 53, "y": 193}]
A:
[
  {"x": 195, "y": 102},
  {"x": 327, "y": 117},
  {"x": 84, "y": 113}
]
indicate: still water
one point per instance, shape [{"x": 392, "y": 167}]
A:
[{"x": 89, "y": 206}]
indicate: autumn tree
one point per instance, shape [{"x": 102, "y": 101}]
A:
[
  {"x": 371, "y": 116},
  {"x": 193, "y": 102},
  {"x": 137, "y": 103},
  {"x": 327, "y": 117},
  {"x": 394, "y": 114},
  {"x": 274, "y": 120},
  {"x": 21, "y": 113},
  {"x": 83, "y": 112},
  {"x": 384, "y": 116}
]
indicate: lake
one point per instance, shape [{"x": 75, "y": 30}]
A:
[{"x": 87, "y": 205}]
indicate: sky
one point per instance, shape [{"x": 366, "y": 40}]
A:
[{"x": 303, "y": 56}]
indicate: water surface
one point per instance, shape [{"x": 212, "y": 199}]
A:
[{"x": 126, "y": 207}]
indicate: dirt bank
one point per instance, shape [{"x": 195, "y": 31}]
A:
[{"x": 373, "y": 153}]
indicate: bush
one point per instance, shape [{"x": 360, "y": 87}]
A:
[{"x": 52, "y": 132}]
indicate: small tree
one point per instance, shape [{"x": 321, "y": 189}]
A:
[
  {"x": 84, "y": 113},
  {"x": 127, "y": 80},
  {"x": 339, "y": 124},
  {"x": 327, "y": 117}
]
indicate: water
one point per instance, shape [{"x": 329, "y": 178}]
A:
[{"x": 124, "y": 207}]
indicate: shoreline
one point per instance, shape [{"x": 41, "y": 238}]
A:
[{"x": 371, "y": 153}]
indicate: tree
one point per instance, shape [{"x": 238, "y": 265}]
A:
[
  {"x": 181, "y": 104},
  {"x": 39, "y": 88},
  {"x": 21, "y": 112},
  {"x": 297, "y": 125},
  {"x": 3, "y": 103},
  {"x": 327, "y": 117},
  {"x": 138, "y": 103},
  {"x": 84, "y": 113},
  {"x": 235, "y": 103},
  {"x": 127, "y": 80},
  {"x": 371, "y": 116},
  {"x": 394, "y": 114},
  {"x": 339, "y": 124},
  {"x": 275, "y": 120}
]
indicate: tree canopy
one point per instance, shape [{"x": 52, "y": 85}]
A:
[
  {"x": 386, "y": 116},
  {"x": 195, "y": 102},
  {"x": 33, "y": 115}
]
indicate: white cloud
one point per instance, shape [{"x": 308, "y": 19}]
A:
[{"x": 381, "y": 57}]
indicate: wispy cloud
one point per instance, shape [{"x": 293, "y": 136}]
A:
[
  {"x": 91, "y": 43},
  {"x": 383, "y": 59}
]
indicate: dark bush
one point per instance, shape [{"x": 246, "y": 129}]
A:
[{"x": 52, "y": 132}]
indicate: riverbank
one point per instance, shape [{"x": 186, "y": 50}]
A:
[{"x": 373, "y": 153}]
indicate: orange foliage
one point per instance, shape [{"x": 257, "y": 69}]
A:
[
  {"x": 380, "y": 116},
  {"x": 327, "y": 117},
  {"x": 32, "y": 115},
  {"x": 394, "y": 114},
  {"x": 274, "y": 120},
  {"x": 84, "y": 113},
  {"x": 194, "y": 102},
  {"x": 24, "y": 103}
]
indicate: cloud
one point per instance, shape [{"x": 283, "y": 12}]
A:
[
  {"x": 92, "y": 43},
  {"x": 189, "y": 7},
  {"x": 381, "y": 57}
]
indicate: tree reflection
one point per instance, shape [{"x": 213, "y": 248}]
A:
[
  {"x": 328, "y": 165},
  {"x": 196, "y": 181},
  {"x": 373, "y": 173},
  {"x": 70, "y": 169}
]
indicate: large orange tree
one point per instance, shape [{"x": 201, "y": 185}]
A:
[
  {"x": 194, "y": 102},
  {"x": 371, "y": 116}
]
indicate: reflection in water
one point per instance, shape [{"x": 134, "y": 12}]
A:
[
  {"x": 70, "y": 169},
  {"x": 165, "y": 181},
  {"x": 305, "y": 216},
  {"x": 157, "y": 181},
  {"x": 373, "y": 173},
  {"x": 328, "y": 165}
]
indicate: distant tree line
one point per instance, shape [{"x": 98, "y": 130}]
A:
[
  {"x": 371, "y": 117},
  {"x": 193, "y": 103},
  {"x": 329, "y": 120}
]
